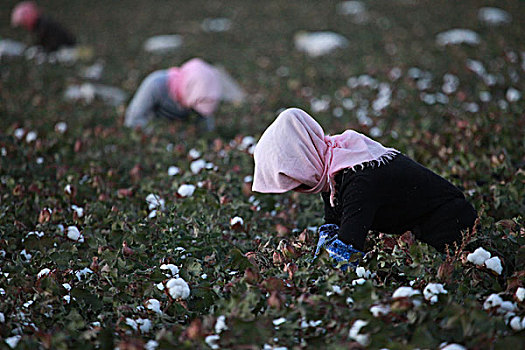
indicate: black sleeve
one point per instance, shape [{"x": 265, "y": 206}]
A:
[
  {"x": 330, "y": 213},
  {"x": 51, "y": 35},
  {"x": 358, "y": 210}
]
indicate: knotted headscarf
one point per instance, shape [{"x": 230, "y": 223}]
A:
[
  {"x": 25, "y": 14},
  {"x": 294, "y": 151}
]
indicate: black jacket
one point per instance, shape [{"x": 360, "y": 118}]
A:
[{"x": 51, "y": 35}]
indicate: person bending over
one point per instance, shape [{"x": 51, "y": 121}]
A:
[
  {"x": 365, "y": 186},
  {"x": 49, "y": 34},
  {"x": 176, "y": 92}
]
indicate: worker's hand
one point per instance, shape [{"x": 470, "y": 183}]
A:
[
  {"x": 327, "y": 233},
  {"x": 343, "y": 253}
]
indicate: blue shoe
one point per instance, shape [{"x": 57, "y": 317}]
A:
[{"x": 342, "y": 252}]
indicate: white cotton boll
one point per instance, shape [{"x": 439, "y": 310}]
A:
[
  {"x": 216, "y": 24},
  {"x": 19, "y": 133},
  {"x": 173, "y": 170},
  {"x": 82, "y": 273},
  {"x": 348, "y": 104},
  {"x": 61, "y": 127},
  {"x": 68, "y": 189},
  {"x": 479, "y": 256},
  {"x": 78, "y": 210},
  {"x": 485, "y": 96},
  {"x": 506, "y": 307},
  {"x": 477, "y": 67},
  {"x": 211, "y": 340},
  {"x": 353, "y": 8},
  {"x": 160, "y": 286},
  {"x": 405, "y": 292},
  {"x": 204, "y": 276},
  {"x": 144, "y": 325},
  {"x": 31, "y": 136},
  {"x": 152, "y": 214},
  {"x": 316, "y": 44},
  {"x": 151, "y": 345},
  {"x": 174, "y": 270},
  {"x": 29, "y": 303},
  {"x": 319, "y": 105},
  {"x": 13, "y": 341},
  {"x": 236, "y": 221},
  {"x": 74, "y": 234},
  {"x": 494, "y": 16},
  {"x": 246, "y": 142},
  {"x": 197, "y": 165},
  {"x": 493, "y": 300},
  {"x": 513, "y": 95},
  {"x": 43, "y": 272},
  {"x": 39, "y": 160},
  {"x": 132, "y": 323},
  {"x": 2, "y": 317},
  {"x": 458, "y": 36},
  {"x": 220, "y": 325},
  {"x": 178, "y": 288},
  {"x": 432, "y": 290},
  {"x": 516, "y": 323},
  {"x": 279, "y": 321},
  {"x": 359, "y": 281},
  {"x": 363, "y": 339},
  {"x": 494, "y": 264},
  {"x": 67, "y": 286},
  {"x": 453, "y": 346},
  {"x": 186, "y": 190},
  {"x": 155, "y": 202},
  {"x": 362, "y": 272},
  {"x": 379, "y": 310},
  {"x": 520, "y": 294},
  {"x": 39, "y": 234},
  {"x": 25, "y": 255},
  {"x": 193, "y": 153},
  {"x": 450, "y": 83},
  {"x": 338, "y": 112},
  {"x": 163, "y": 43}
]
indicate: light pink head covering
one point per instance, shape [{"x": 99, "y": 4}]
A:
[
  {"x": 196, "y": 84},
  {"x": 294, "y": 151},
  {"x": 25, "y": 14}
]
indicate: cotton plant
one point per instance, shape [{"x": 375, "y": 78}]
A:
[
  {"x": 142, "y": 324},
  {"x": 186, "y": 190},
  {"x": 171, "y": 270},
  {"x": 178, "y": 288},
  {"x": 432, "y": 291},
  {"x": 74, "y": 234},
  {"x": 481, "y": 257},
  {"x": 355, "y": 333}
]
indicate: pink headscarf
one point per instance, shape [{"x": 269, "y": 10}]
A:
[
  {"x": 196, "y": 84},
  {"x": 294, "y": 151},
  {"x": 25, "y": 14}
]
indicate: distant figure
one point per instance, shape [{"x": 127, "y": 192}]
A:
[
  {"x": 49, "y": 34},
  {"x": 174, "y": 93},
  {"x": 365, "y": 186}
]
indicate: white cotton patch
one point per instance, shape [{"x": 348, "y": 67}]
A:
[
  {"x": 317, "y": 44},
  {"x": 348, "y": 104},
  {"x": 204, "y": 276},
  {"x": 39, "y": 234},
  {"x": 197, "y": 165},
  {"x": 31, "y": 136},
  {"x": 9, "y": 47},
  {"x": 379, "y": 310},
  {"x": 25, "y": 255},
  {"x": 517, "y": 324},
  {"x": 132, "y": 323},
  {"x": 74, "y": 234},
  {"x": 485, "y": 96},
  {"x": 2, "y": 317},
  {"x": 405, "y": 292},
  {"x": 513, "y": 95},
  {"x": 160, "y": 286},
  {"x": 452, "y": 346},
  {"x": 186, "y": 190},
  {"x": 458, "y": 36},
  {"x": 29, "y": 303},
  {"x": 178, "y": 288},
  {"x": 78, "y": 210},
  {"x": 236, "y": 221},
  {"x": 19, "y": 133},
  {"x": 163, "y": 43},
  {"x": 13, "y": 341},
  {"x": 82, "y": 273},
  {"x": 93, "y": 72},
  {"x": 43, "y": 272},
  {"x": 173, "y": 170},
  {"x": 194, "y": 154},
  {"x": 354, "y": 333},
  {"x": 67, "y": 286},
  {"x": 155, "y": 202},
  {"x": 362, "y": 272},
  {"x": 211, "y": 340},
  {"x": 151, "y": 345},
  {"x": 432, "y": 290},
  {"x": 61, "y": 127},
  {"x": 216, "y": 24},
  {"x": 520, "y": 294},
  {"x": 173, "y": 270},
  {"x": 318, "y": 105},
  {"x": 479, "y": 256},
  {"x": 144, "y": 325},
  {"x": 358, "y": 282},
  {"x": 40, "y": 160},
  {"x": 494, "y": 300},
  {"x": 220, "y": 325},
  {"x": 383, "y": 97},
  {"x": 494, "y": 264},
  {"x": 279, "y": 321},
  {"x": 494, "y": 16},
  {"x": 450, "y": 83}
]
